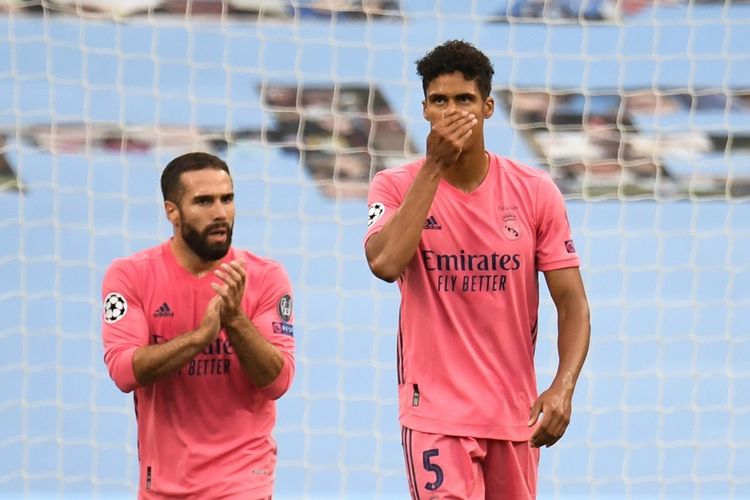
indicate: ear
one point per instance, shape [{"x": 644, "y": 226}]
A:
[
  {"x": 424, "y": 109},
  {"x": 173, "y": 213},
  {"x": 489, "y": 107}
]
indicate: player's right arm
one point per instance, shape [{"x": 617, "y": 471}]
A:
[
  {"x": 152, "y": 362},
  {"x": 133, "y": 362},
  {"x": 394, "y": 242}
]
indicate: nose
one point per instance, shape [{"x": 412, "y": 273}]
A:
[{"x": 219, "y": 211}]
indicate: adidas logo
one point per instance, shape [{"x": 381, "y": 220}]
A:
[
  {"x": 163, "y": 312},
  {"x": 432, "y": 223}
]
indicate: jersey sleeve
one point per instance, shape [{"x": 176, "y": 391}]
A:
[
  {"x": 555, "y": 248},
  {"x": 274, "y": 319},
  {"x": 383, "y": 199},
  {"x": 124, "y": 324}
]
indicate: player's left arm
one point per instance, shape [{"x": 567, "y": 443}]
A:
[
  {"x": 269, "y": 365},
  {"x": 567, "y": 291},
  {"x": 557, "y": 258}
]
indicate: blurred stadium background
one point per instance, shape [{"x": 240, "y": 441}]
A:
[{"x": 640, "y": 110}]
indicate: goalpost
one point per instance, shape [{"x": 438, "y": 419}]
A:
[{"x": 639, "y": 110}]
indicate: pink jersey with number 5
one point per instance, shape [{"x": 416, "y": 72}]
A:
[{"x": 470, "y": 296}]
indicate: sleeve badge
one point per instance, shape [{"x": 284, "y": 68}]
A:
[{"x": 115, "y": 307}]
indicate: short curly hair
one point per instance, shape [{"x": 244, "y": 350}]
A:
[{"x": 457, "y": 55}]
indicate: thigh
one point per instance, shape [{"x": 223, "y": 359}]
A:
[
  {"x": 445, "y": 467},
  {"x": 510, "y": 470}
]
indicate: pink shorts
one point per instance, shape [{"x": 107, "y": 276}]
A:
[{"x": 455, "y": 467}]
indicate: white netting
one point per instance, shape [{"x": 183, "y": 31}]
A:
[{"x": 640, "y": 111}]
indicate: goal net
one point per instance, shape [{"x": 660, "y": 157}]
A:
[{"x": 639, "y": 110}]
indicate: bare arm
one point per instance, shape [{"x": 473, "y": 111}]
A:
[
  {"x": 260, "y": 360},
  {"x": 574, "y": 331},
  {"x": 155, "y": 361},
  {"x": 392, "y": 248}
]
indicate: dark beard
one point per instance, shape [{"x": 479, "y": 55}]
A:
[{"x": 198, "y": 242}]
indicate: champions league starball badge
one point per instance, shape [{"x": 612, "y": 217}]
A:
[
  {"x": 115, "y": 307},
  {"x": 375, "y": 212}
]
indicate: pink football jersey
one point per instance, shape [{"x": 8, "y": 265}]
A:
[
  {"x": 470, "y": 296},
  {"x": 204, "y": 432}
]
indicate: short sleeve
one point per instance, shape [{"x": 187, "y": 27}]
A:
[
  {"x": 124, "y": 324},
  {"x": 383, "y": 199},
  {"x": 555, "y": 248}
]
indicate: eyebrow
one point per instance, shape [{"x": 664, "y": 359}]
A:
[
  {"x": 462, "y": 95},
  {"x": 200, "y": 197}
]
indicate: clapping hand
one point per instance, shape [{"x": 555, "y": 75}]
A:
[{"x": 232, "y": 289}]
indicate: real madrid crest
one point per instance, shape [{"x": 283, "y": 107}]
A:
[{"x": 511, "y": 228}]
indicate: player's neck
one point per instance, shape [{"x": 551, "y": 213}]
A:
[
  {"x": 469, "y": 171},
  {"x": 188, "y": 260}
]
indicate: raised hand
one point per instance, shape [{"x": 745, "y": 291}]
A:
[
  {"x": 232, "y": 289},
  {"x": 448, "y": 136},
  {"x": 211, "y": 323}
]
